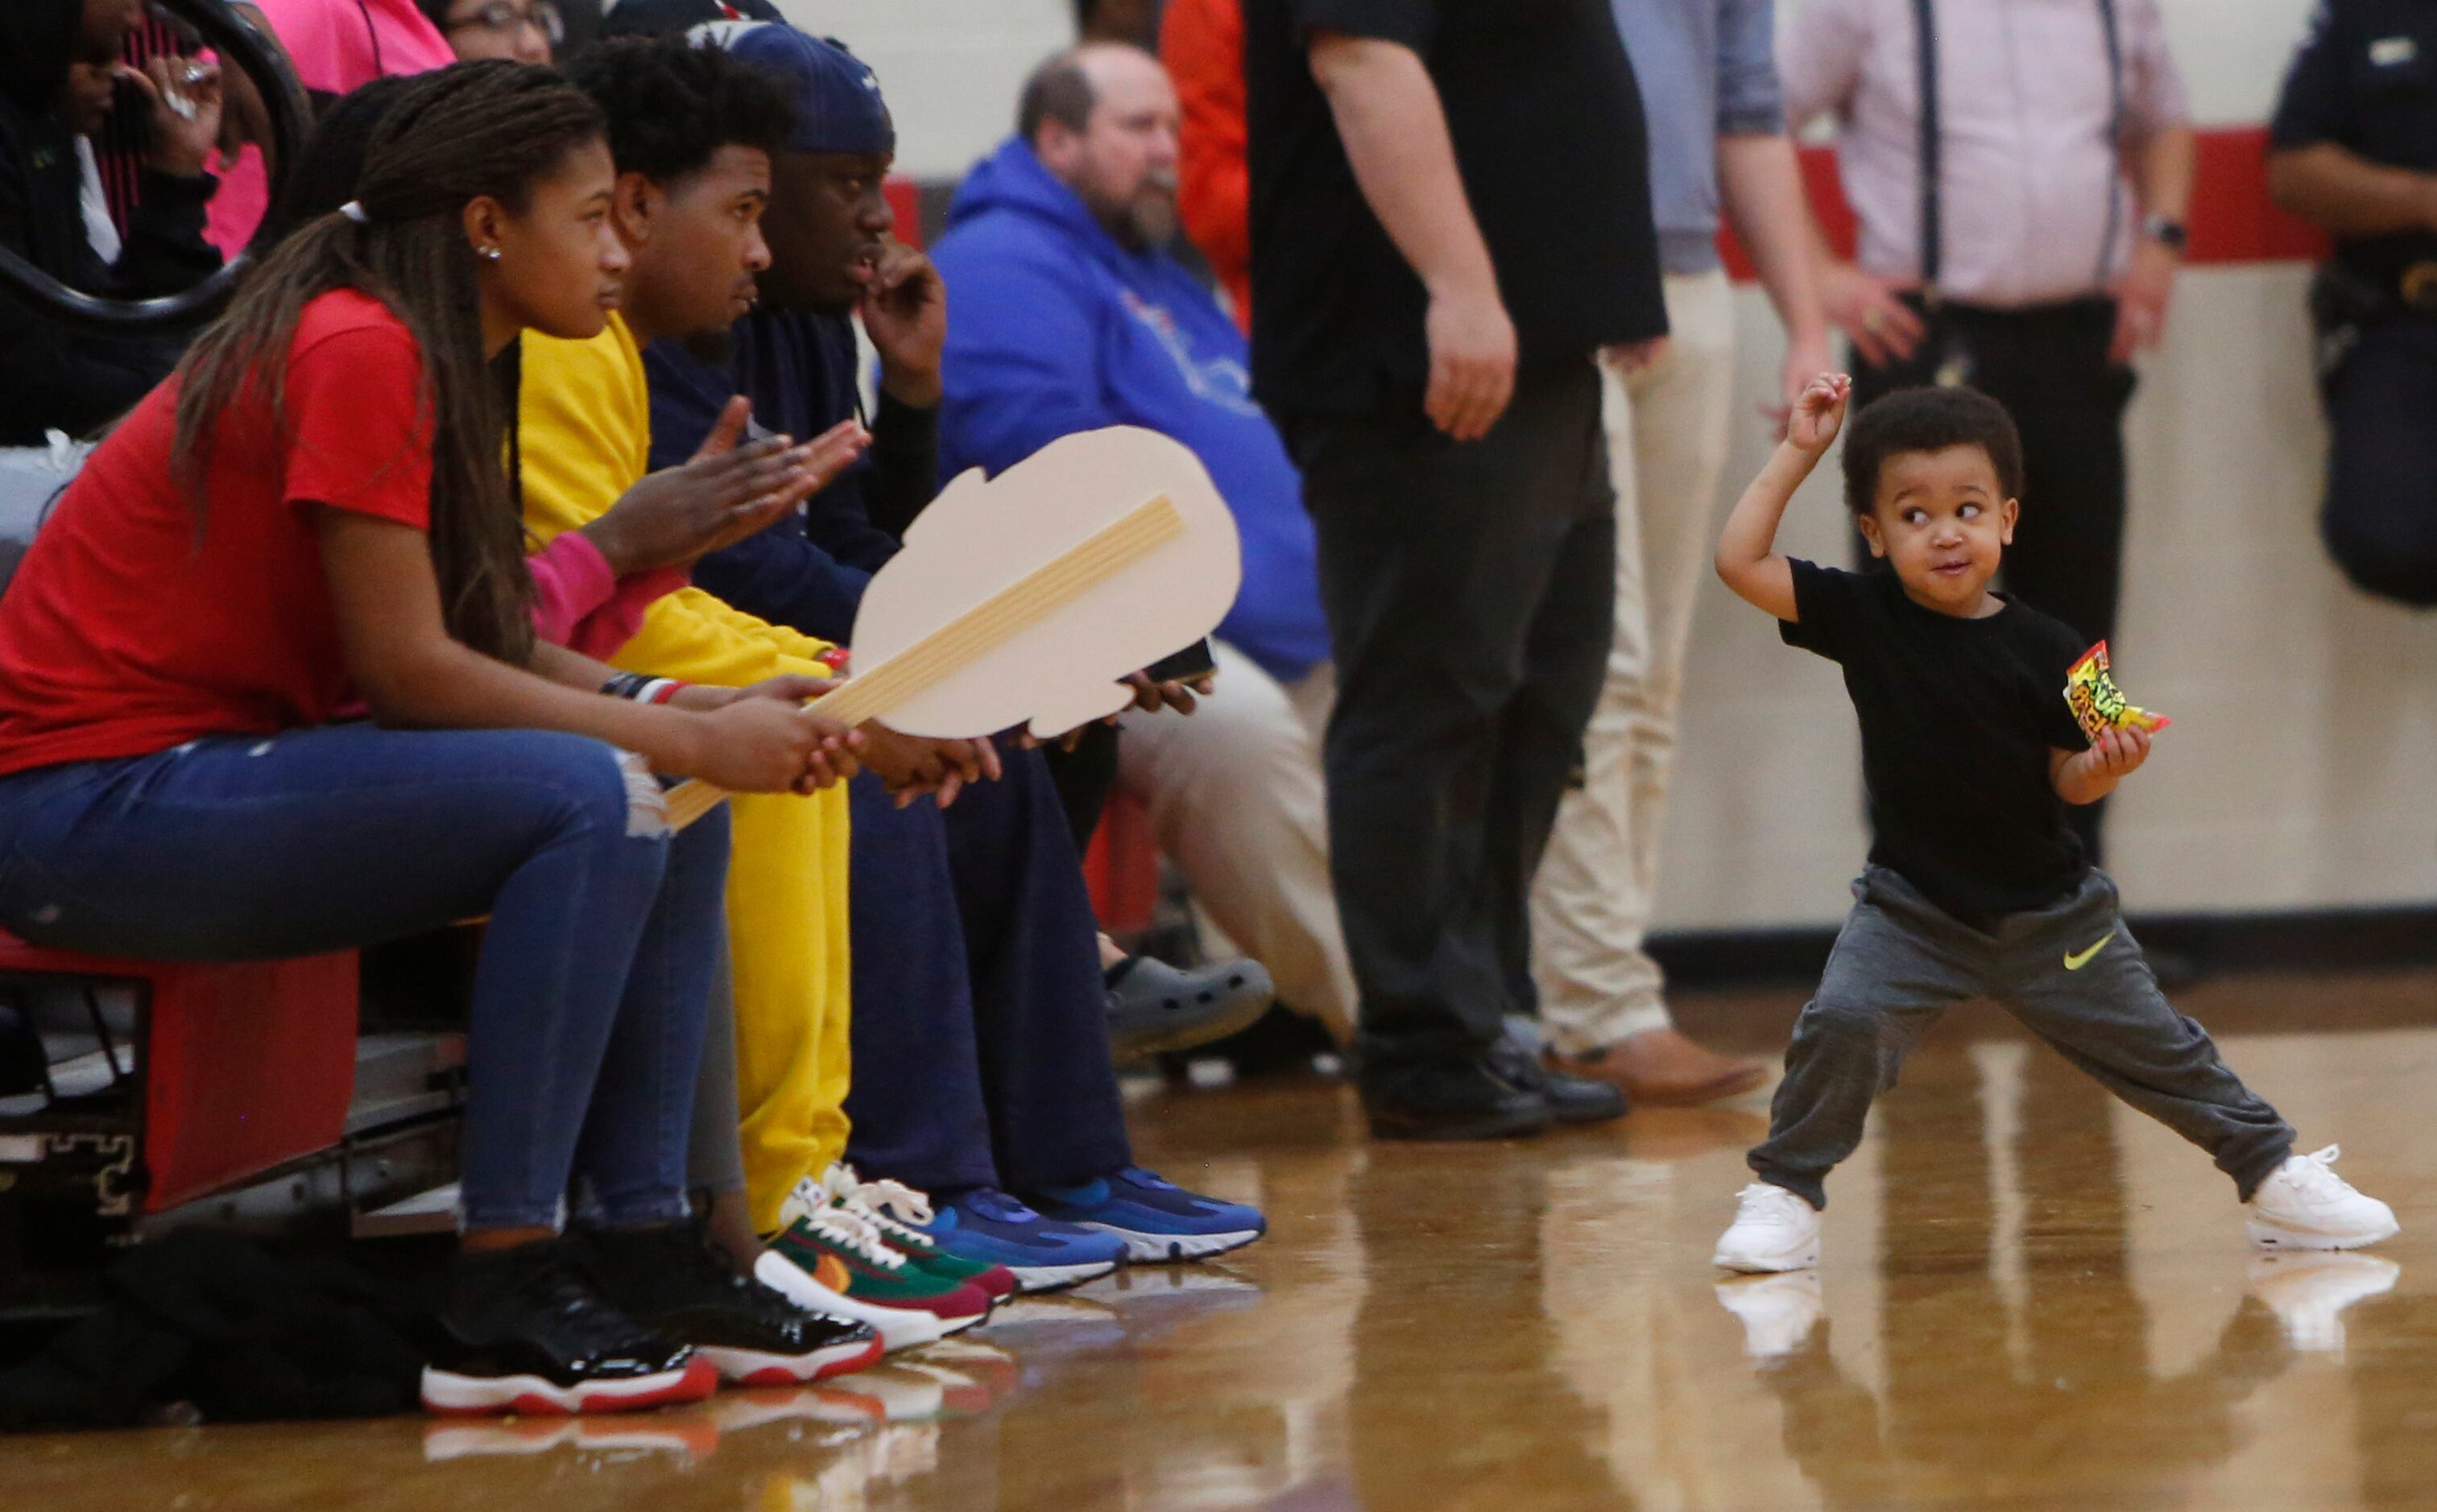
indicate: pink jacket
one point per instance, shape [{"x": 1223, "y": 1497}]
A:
[
  {"x": 582, "y": 607},
  {"x": 337, "y": 45}
]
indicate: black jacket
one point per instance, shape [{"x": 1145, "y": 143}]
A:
[{"x": 52, "y": 378}]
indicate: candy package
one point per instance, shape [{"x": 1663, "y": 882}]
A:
[{"x": 2099, "y": 703}]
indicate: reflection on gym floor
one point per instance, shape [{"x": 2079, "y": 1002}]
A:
[{"x": 2030, "y": 1297}]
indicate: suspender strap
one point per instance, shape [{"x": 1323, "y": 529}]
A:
[
  {"x": 2115, "y": 137},
  {"x": 1925, "y": 47},
  {"x": 1924, "y": 27}
]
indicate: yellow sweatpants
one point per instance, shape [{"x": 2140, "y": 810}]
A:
[{"x": 786, "y": 928}]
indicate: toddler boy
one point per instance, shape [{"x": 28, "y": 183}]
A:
[{"x": 1976, "y": 886}]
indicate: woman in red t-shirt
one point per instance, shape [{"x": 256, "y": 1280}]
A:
[{"x": 313, "y": 514}]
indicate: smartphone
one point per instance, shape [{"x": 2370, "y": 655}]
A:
[{"x": 1194, "y": 661}]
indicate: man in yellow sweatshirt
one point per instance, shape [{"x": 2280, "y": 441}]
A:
[{"x": 690, "y": 192}]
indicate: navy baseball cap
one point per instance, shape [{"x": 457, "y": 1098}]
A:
[
  {"x": 838, "y": 108},
  {"x": 666, "y": 18}
]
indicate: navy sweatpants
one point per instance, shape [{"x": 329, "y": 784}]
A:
[{"x": 980, "y": 1025}]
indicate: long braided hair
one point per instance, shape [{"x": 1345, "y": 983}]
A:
[{"x": 451, "y": 136}]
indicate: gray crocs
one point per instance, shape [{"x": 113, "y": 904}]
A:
[{"x": 1154, "y": 1007}]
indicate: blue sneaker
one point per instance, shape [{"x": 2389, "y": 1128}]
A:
[
  {"x": 990, "y": 1226},
  {"x": 1157, "y": 1218}
]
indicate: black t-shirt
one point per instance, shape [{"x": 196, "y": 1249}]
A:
[
  {"x": 1957, "y": 717},
  {"x": 1547, "y": 126},
  {"x": 2366, "y": 79}
]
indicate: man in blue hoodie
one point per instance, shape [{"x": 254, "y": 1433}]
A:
[{"x": 1071, "y": 315}]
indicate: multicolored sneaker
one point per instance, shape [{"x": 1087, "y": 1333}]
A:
[
  {"x": 899, "y": 1213},
  {"x": 988, "y": 1224},
  {"x": 836, "y": 1255},
  {"x": 1157, "y": 1218}
]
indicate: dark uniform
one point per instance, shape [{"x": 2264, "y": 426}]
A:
[
  {"x": 1469, "y": 587},
  {"x": 2366, "y": 81}
]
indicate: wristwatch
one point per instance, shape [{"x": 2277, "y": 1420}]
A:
[{"x": 2167, "y": 233}]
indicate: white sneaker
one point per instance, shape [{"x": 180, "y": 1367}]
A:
[
  {"x": 2308, "y": 1291},
  {"x": 1774, "y": 1230},
  {"x": 2305, "y": 1204},
  {"x": 1778, "y": 1311},
  {"x": 891, "y": 1207}
]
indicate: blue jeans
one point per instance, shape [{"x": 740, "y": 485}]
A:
[{"x": 589, "y": 999}]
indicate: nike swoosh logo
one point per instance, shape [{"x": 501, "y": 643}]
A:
[{"x": 2075, "y": 963}]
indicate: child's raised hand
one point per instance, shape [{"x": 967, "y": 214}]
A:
[{"x": 1819, "y": 414}]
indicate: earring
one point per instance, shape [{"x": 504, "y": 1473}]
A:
[{"x": 488, "y": 254}]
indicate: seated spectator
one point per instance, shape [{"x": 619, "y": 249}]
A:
[
  {"x": 1070, "y": 316},
  {"x": 311, "y": 515},
  {"x": 523, "y": 32},
  {"x": 59, "y": 79},
  {"x": 2351, "y": 151},
  {"x": 981, "y": 1052},
  {"x": 592, "y": 587},
  {"x": 245, "y": 123},
  {"x": 336, "y": 48},
  {"x": 692, "y": 133}
]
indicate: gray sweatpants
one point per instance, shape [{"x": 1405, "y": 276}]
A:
[
  {"x": 2069, "y": 973},
  {"x": 714, "y": 1148}
]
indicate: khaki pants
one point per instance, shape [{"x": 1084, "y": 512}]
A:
[
  {"x": 1237, "y": 802},
  {"x": 1591, "y": 904}
]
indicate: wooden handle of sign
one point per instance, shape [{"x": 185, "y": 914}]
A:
[{"x": 954, "y": 645}]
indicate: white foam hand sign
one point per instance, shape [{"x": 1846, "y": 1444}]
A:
[
  {"x": 1026, "y": 598},
  {"x": 1095, "y": 557}
]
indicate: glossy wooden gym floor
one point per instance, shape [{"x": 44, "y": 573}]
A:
[{"x": 2031, "y": 1298}]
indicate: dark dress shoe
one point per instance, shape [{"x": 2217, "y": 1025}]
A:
[
  {"x": 1453, "y": 1099},
  {"x": 1571, "y": 1099}
]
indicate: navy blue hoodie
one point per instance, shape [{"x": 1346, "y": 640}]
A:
[
  {"x": 1053, "y": 327},
  {"x": 807, "y": 571}
]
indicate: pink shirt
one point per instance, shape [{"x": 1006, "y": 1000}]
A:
[
  {"x": 2027, "y": 172},
  {"x": 337, "y": 45},
  {"x": 580, "y": 606}
]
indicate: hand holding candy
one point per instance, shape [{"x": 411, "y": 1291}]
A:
[{"x": 2119, "y": 753}]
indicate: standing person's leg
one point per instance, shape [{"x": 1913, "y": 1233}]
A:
[
  {"x": 1237, "y": 802},
  {"x": 1540, "y": 734},
  {"x": 2380, "y": 516},
  {"x": 2068, "y": 402},
  {"x": 1602, "y": 996},
  {"x": 1434, "y": 558}
]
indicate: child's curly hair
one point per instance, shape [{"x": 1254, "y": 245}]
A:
[{"x": 1925, "y": 420}]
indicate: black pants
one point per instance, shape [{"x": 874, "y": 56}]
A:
[
  {"x": 2380, "y": 518},
  {"x": 1469, "y": 589},
  {"x": 2049, "y": 365}
]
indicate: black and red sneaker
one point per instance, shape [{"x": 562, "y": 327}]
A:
[
  {"x": 675, "y": 1279},
  {"x": 523, "y": 1332}
]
